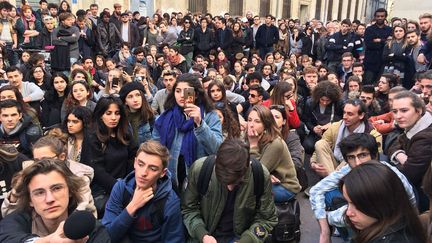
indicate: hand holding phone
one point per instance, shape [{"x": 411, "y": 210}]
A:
[
  {"x": 115, "y": 82},
  {"x": 189, "y": 96}
]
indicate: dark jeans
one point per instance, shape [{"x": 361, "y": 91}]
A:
[
  {"x": 370, "y": 77},
  {"x": 264, "y": 50},
  {"x": 12, "y": 55}
]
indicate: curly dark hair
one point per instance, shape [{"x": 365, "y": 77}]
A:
[{"x": 327, "y": 89}]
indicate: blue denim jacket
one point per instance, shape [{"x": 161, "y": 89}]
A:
[
  {"x": 209, "y": 136},
  {"x": 144, "y": 132}
]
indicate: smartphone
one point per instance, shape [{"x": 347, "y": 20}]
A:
[
  {"x": 189, "y": 95},
  {"x": 115, "y": 81}
]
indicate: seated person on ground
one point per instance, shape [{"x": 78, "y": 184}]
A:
[
  {"x": 144, "y": 207},
  {"x": 327, "y": 156},
  {"x": 356, "y": 149}
]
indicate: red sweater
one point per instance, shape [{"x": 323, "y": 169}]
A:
[{"x": 292, "y": 116}]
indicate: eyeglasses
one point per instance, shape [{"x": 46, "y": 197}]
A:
[
  {"x": 40, "y": 194},
  {"x": 115, "y": 95},
  {"x": 360, "y": 156},
  {"x": 253, "y": 95}
]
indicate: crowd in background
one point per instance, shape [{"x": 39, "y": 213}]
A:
[{"x": 90, "y": 87}]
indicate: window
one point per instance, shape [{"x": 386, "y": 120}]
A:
[
  {"x": 198, "y": 6},
  {"x": 236, "y": 7},
  {"x": 265, "y": 7},
  {"x": 286, "y": 9},
  {"x": 318, "y": 9}
]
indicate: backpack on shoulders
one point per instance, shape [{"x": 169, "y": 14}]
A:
[{"x": 288, "y": 227}]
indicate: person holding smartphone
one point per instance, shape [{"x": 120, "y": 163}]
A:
[
  {"x": 113, "y": 84},
  {"x": 189, "y": 126}
]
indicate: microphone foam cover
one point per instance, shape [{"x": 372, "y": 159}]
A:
[{"x": 79, "y": 224}]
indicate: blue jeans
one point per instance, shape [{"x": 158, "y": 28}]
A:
[
  {"x": 329, "y": 196},
  {"x": 281, "y": 194}
]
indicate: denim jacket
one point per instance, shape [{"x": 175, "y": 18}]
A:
[
  {"x": 144, "y": 132},
  {"x": 209, "y": 136}
]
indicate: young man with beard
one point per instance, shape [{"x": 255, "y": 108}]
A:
[
  {"x": 169, "y": 79},
  {"x": 425, "y": 21},
  {"x": 413, "y": 39},
  {"x": 375, "y": 38},
  {"x": 327, "y": 156},
  {"x": 129, "y": 31},
  {"x": 144, "y": 206}
]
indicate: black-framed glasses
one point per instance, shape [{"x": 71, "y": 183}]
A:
[
  {"x": 253, "y": 95},
  {"x": 359, "y": 156}
]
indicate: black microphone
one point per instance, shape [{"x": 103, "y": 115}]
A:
[{"x": 79, "y": 224}]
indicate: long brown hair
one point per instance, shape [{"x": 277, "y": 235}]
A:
[
  {"x": 277, "y": 97},
  {"x": 376, "y": 191},
  {"x": 271, "y": 132},
  {"x": 74, "y": 183}
]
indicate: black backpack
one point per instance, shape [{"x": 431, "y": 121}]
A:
[
  {"x": 288, "y": 227},
  {"x": 207, "y": 171}
]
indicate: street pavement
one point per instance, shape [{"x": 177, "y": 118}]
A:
[{"x": 309, "y": 227}]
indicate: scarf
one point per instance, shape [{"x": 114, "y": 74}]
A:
[
  {"x": 29, "y": 24},
  {"x": 176, "y": 59},
  {"x": 343, "y": 133},
  {"x": 172, "y": 121}
]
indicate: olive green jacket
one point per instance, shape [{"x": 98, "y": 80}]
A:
[{"x": 201, "y": 217}]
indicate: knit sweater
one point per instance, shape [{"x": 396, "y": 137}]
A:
[{"x": 277, "y": 158}]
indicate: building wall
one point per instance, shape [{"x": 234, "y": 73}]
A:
[
  {"x": 410, "y": 9},
  {"x": 364, "y": 11}
]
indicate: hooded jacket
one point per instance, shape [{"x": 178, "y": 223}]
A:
[
  {"x": 142, "y": 227},
  {"x": 22, "y": 136}
]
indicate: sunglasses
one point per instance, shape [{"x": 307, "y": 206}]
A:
[
  {"x": 253, "y": 95},
  {"x": 111, "y": 96}
]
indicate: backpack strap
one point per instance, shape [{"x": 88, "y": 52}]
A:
[
  {"x": 205, "y": 175},
  {"x": 258, "y": 175}
]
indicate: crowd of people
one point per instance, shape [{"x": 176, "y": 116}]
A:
[{"x": 189, "y": 127}]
